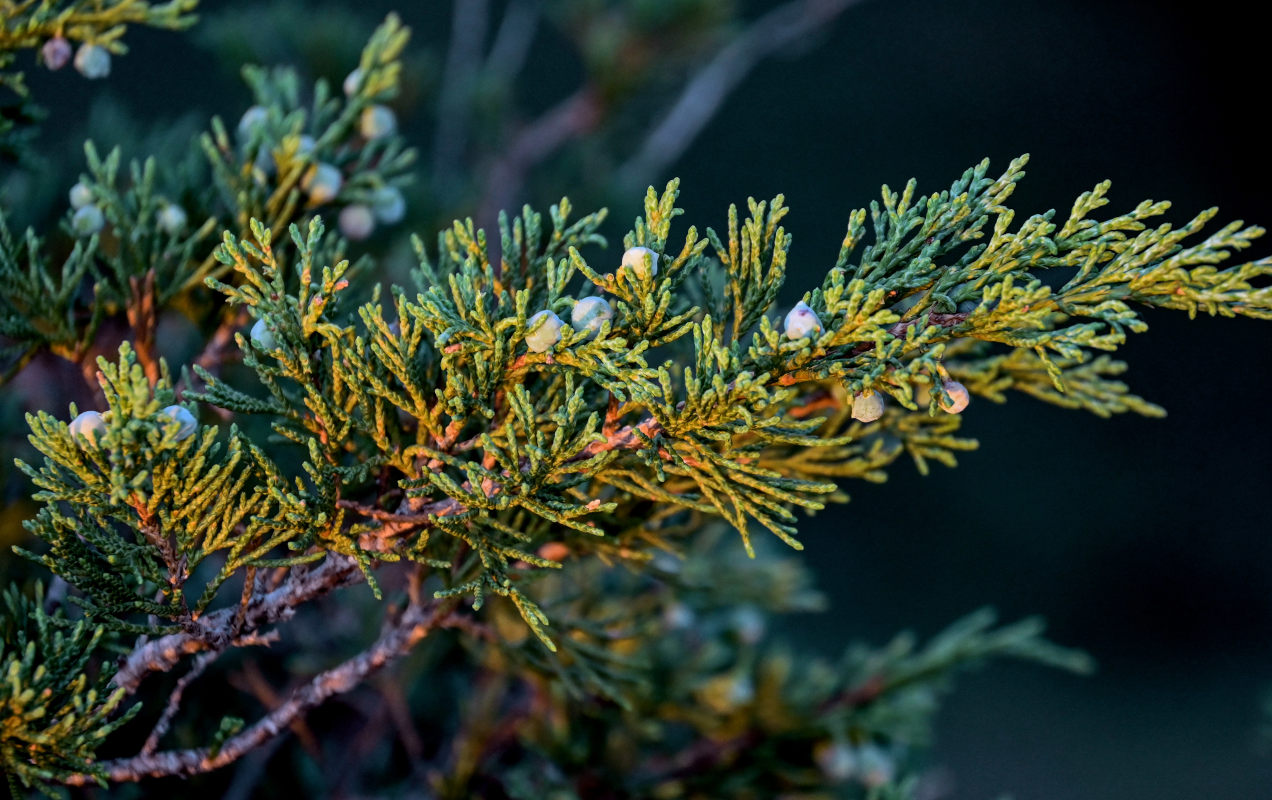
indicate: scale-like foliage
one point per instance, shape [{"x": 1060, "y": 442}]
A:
[{"x": 53, "y": 712}]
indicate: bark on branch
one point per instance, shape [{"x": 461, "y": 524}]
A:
[{"x": 396, "y": 640}]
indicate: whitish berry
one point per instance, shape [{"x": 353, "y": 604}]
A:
[
  {"x": 322, "y": 182},
  {"x": 801, "y": 322},
  {"x": 748, "y": 624},
  {"x": 352, "y": 81},
  {"x": 589, "y": 314},
  {"x": 678, "y": 616},
  {"x": 377, "y": 121},
  {"x": 87, "y": 220},
  {"x": 356, "y": 222},
  {"x": 543, "y": 330},
  {"x": 306, "y": 144},
  {"x": 877, "y": 767},
  {"x": 188, "y": 423},
  {"x": 87, "y": 427},
  {"x": 172, "y": 219},
  {"x": 81, "y": 195},
  {"x": 837, "y": 760},
  {"x": 92, "y": 61},
  {"x": 641, "y": 261},
  {"x": 959, "y": 397},
  {"x": 252, "y": 119},
  {"x": 867, "y": 406},
  {"x": 388, "y": 205},
  {"x": 262, "y": 337},
  {"x": 56, "y": 52}
]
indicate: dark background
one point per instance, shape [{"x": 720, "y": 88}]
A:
[{"x": 1142, "y": 541}]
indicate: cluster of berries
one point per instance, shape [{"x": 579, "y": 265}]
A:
[
  {"x": 324, "y": 181},
  {"x": 89, "y": 425},
  {"x": 92, "y": 60},
  {"x": 589, "y": 313},
  {"x": 88, "y": 218},
  {"x": 802, "y": 323}
]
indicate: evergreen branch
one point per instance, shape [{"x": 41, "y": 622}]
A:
[
  {"x": 225, "y": 627},
  {"x": 397, "y": 639}
]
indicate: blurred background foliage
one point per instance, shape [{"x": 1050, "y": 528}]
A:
[{"x": 1144, "y": 541}]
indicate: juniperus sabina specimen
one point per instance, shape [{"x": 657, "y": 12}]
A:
[{"x": 527, "y": 454}]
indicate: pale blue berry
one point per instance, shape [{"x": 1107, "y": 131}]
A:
[
  {"x": 837, "y": 761},
  {"x": 322, "y": 182},
  {"x": 543, "y": 331},
  {"x": 87, "y": 427},
  {"x": 252, "y": 119},
  {"x": 172, "y": 219},
  {"x": 642, "y": 262},
  {"x": 388, "y": 205},
  {"x": 80, "y": 195},
  {"x": 56, "y": 52},
  {"x": 959, "y": 397},
  {"x": 92, "y": 61},
  {"x": 262, "y": 336},
  {"x": 188, "y": 423},
  {"x": 867, "y": 406},
  {"x": 352, "y": 81},
  {"x": 87, "y": 220},
  {"x": 801, "y": 322},
  {"x": 877, "y": 767},
  {"x": 377, "y": 122},
  {"x": 589, "y": 314},
  {"x": 748, "y": 624},
  {"x": 356, "y": 222},
  {"x": 305, "y": 144}
]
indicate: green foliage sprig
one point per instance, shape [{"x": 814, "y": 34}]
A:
[{"x": 53, "y": 713}]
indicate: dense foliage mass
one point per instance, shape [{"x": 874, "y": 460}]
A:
[{"x": 526, "y": 454}]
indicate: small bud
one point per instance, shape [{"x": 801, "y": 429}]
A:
[
  {"x": 352, "y": 81},
  {"x": 589, "y": 314},
  {"x": 172, "y": 219},
  {"x": 377, "y": 122},
  {"x": 188, "y": 423},
  {"x": 867, "y": 406},
  {"x": 262, "y": 336},
  {"x": 356, "y": 222},
  {"x": 56, "y": 52},
  {"x": 801, "y": 322},
  {"x": 87, "y": 427},
  {"x": 92, "y": 61},
  {"x": 641, "y": 261},
  {"x": 959, "y": 397},
  {"x": 252, "y": 119},
  {"x": 87, "y": 220},
  {"x": 837, "y": 761},
  {"x": 322, "y": 182},
  {"x": 80, "y": 195},
  {"x": 554, "y": 551},
  {"x": 388, "y": 205},
  {"x": 543, "y": 331}
]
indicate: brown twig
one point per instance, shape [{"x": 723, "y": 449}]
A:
[
  {"x": 174, "y": 702},
  {"x": 396, "y": 640},
  {"x": 216, "y": 631},
  {"x": 143, "y": 319}
]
